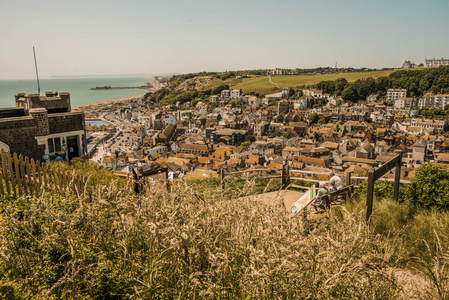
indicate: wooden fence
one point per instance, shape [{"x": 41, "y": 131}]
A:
[
  {"x": 264, "y": 172},
  {"x": 20, "y": 175}
]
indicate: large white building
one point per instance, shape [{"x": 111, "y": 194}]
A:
[
  {"x": 437, "y": 62},
  {"x": 437, "y": 101},
  {"x": 395, "y": 94},
  {"x": 438, "y": 125}
]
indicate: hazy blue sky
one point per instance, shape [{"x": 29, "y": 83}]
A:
[{"x": 144, "y": 36}]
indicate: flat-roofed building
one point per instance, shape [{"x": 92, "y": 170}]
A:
[
  {"x": 394, "y": 94},
  {"x": 436, "y": 62}
]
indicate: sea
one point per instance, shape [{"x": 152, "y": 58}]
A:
[{"x": 78, "y": 87}]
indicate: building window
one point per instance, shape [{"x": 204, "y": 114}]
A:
[{"x": 54, "y": 145}]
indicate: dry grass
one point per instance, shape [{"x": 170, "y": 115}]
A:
[{"x": 193, "y": 242}]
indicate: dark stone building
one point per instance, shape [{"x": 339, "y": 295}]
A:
[{"x": 42, "y": 126}]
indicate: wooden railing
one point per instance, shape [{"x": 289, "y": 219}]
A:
[
  {"x": 20, "y": 175},
  {"x": 229, "y": 182}
]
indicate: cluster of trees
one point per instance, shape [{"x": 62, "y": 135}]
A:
[
  {"x": 167, "y": 96},
  {"x": 434, "y": 113},
  {"x": 417, "y": 82},
  {"x": 183, "y": 77}
]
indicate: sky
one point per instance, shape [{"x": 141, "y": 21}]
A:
[{"x": 99, "y": 37}]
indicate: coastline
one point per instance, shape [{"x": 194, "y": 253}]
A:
[{"x": 106, "y": 102}]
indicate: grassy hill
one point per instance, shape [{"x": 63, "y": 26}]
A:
[
  {"x": 196, "y": 242},
  {"x": 263, "y": 86}
]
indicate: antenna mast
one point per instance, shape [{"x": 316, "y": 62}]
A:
[{"x": 37, "y": 75}]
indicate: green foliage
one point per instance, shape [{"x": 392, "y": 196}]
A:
[
  {"x": 429, "y": 187},
  {"x": 417, "y": 82},
  {"x": 434, "y": 113},
  {"x": 382, "y": 190},
  {"x": 217, "y": 90},
  {"x": 246, "y": 144},
  {"x": 234, "y": 103},
  {"x": 313, "y": 118},
  {"x": 273, "y": 102},
  {"x": 251, "y": 138}
]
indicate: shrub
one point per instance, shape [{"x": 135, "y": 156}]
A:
[{"x": 429, "y": 187}]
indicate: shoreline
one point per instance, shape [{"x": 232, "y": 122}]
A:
[{"x": 106, "y": 102}]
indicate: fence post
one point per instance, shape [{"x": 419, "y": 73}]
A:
[
  {"x": 369, "y": 197},
  {"x": 5, "y": 171},
  {"x": 167, "y": 182},
  {"x": 283, "y": 176},
  {"x": 18, "y": 174},
  {"x": 348, "y": 178},
  {"x": 397, "y": 179},
  {"x": 22, "y": 174},
  {"x": 222, "y": 179},
  {"x": 2, "y": 176},
  {"x": 11, "y": 173}
]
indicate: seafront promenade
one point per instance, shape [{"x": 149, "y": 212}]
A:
[{"x": 106, "y": 102}]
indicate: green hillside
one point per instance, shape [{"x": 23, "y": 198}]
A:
[{"x": 262, "y": 84}]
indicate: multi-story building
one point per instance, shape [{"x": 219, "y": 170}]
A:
[
  {"x": 225, "y": 94},
  {"x": 406, "y": 103},
  {"x": 283, "y": 106},
  {"x": 441, "y": 100},
  {"x": 42, "y": 127},
  {"x": 235, "y": 94},
  {"x": 408, "y": 65},
  {"x": 438, "y": 125},
  {"x": 407, "y": 112},
  {"x": 437, "y": 62},
  {"x": 395, "y": 94},
  {"x": 437, "y": 101},
  {"x": 262, "y": 148},
  {"x": 227, "y": 136},
  {"x": 278, "y": 71},
  {"x": 300, "y": 104}
]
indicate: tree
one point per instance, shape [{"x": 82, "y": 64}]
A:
[
  {"x": 250, "y": 138},
  {"x": 313, "y": 118},
  {"x": 218, "y": 89},
  {"x": 349, "y": 93}
]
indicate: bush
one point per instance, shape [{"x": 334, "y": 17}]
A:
[{"x": 429, "y": 187}]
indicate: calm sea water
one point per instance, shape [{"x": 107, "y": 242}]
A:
[
  {"x": 79, "y": 88},
  {"x": 97, "y": 123}
]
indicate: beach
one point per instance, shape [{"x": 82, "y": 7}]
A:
[{"x": 106, "y": 102}]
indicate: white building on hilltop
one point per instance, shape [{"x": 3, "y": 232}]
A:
[{"x": 437, "y": 62}]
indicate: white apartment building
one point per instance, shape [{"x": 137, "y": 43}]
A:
[
  {"x": 437, "y": 101},
  {"x": 427, "y": 123},
  {"x": 395, "y": 94},
  {"x": 235, "y": 94},
  {"x": 408, "y": 112},
  {"x": 437, "y": 62}
]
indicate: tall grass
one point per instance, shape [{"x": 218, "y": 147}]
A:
[{"x": 194, "y": 242}]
